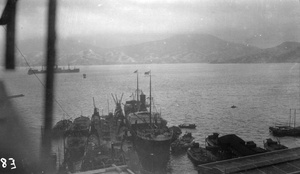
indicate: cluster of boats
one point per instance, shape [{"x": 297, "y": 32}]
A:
[
  {"x": 89, "y": 143},
  {"x": 220, "y": 148},
  {"x": 98, "y": 141}
]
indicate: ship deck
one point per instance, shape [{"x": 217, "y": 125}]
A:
[{"x": 285, "y": 161}]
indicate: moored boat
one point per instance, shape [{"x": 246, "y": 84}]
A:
[
  {"x": 231, "y": 146},
  {"x": 176, "y": 132},
  {"x": 281, "y": 131},
  {"x": 153, "y": 148},
  {"x": 199, "y": 155},
  {"x": 212, "y": 140},
  {"x": 187, "y": 126},
  {"x": 271, "y": 145},
  {"x": 286, "y": 130},
  {"x": 183, "y": 143},
  {"x": 151, "y": 136}
]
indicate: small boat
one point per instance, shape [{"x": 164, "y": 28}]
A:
[
  {"x": 199, "y": 155},
  {"x": 187, "y": 126},
  {"x": 233, "y": 106},
  {"x": 183, "y": 143},
  {"x": 271, "y": 145},
  {"x": 84, "y": 76},
  {"x": 212, "y": 140},
  {"x": 176, "y": 132}
]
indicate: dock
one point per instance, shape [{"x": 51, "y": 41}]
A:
[
  {"x": 110, "y": 170},
  {"x": 285, "y": 161}
]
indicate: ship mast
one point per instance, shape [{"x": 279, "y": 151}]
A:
[
  {"x": 137, "y": 89},
  {"x": 150, "y": 98}
]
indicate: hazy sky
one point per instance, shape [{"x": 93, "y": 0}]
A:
[{"x": 262, "y": 23}]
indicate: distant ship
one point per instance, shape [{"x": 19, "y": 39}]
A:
[
  {"x": 56, "y": 70},
  {"x": 152, "y": 138}
]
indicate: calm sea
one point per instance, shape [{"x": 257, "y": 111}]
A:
[{"x": 184, "y": 93}]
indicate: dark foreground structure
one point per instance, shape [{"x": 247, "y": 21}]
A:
[{"x": 285, "y": 161}]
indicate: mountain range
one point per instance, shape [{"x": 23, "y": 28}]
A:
[{"x": 188, "y": 48}]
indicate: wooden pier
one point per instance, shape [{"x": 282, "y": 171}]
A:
[{"x": 285, "y": 161}]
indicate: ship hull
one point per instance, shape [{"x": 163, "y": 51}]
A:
[
  {"x": 34, "y": 71},
  {"x": 154, "y": 155}
]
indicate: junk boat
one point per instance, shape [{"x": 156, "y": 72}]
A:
[
  {"x": 56, "y": 70},
  {"x": 187, "y": 126},
  {"x": 199, "y": 155},
  {"x": 287, "y": 130},
  {"x": 271, "y": 145},
  {"x": 281, "y": 131},
  {"x": 151, "y": 136},
  {"x": 183, "y": 143}
]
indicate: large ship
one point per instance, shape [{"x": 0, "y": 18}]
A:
[
  {"x": 56, "y": 70},
  {"x": 151, "y": 136}
]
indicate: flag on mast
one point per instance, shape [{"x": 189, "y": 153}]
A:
[
  {"x": 135, "y": 71},
  {"x": 148, "y": 72}
]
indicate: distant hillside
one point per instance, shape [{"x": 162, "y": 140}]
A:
[
  {"x": 196, "y": 48},
  {"x": 190, "y": 48},
  {"x": 69, "y": 51},
  {"x": 287, "y": 52}
]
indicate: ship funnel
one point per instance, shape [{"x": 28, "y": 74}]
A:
[{"x": 143, "y": 102}]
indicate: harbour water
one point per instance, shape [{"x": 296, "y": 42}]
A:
[{"x": 194, "y": 93}]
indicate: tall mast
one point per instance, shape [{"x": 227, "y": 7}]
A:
[
  {"x": 150, "y": 99},
  {"x": 137, "y": 87},
  {"x": 94, "y": 102},
  {"x": 107, "y": 106},
  {"x": 295, "y": 117}
]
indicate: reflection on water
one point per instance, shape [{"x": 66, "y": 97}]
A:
[{"x": 199, "y": 93}]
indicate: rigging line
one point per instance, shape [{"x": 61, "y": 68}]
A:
[{"x": 39, "y": 78}]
